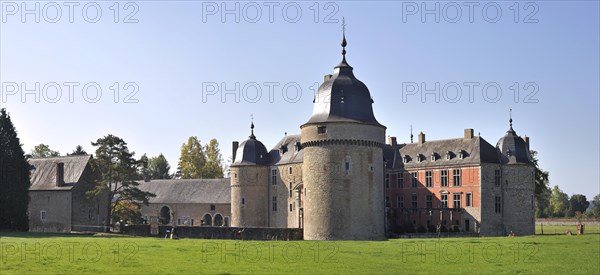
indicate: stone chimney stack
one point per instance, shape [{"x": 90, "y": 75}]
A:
[
  {"x": 469, "y": 133},
  {"x": 526, "y": 139},
  {"x": 60, "y": 174},
  {"x": 392, "y": 141},
  {"x": 234, "y": 147},
  {"x": 421, "y": 138}
]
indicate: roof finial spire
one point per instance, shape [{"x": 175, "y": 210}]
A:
[
  {"x": 411, "y": 134},
  {"x": 510, "y": 116},
  {"x": 344, "y": 43},
  {"x": 252, "y": 136}
]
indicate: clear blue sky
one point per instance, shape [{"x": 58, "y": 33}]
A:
[{"x": 177, "y": 51}]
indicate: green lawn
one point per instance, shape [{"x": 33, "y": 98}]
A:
[
  {"x": 561, "y": 229},
  {"x": 45, "y": 253}
]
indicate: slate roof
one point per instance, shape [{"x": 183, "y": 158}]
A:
[
  {"x": 285, "y": 151},
  {"x": 513, "y": 148},
  {"x": 43, "y": 175},
  {"x": 216, "y": 191},
  {"x": 475, "y": 151}
]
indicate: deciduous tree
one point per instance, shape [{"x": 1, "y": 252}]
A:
[
  {"x": 577, "y": 202},
  {"x": 559, "y": 202},
  {"x": 192, "y": 159},
  {"x": 213, "y": 168},
  {"x": 43, "y": 151}
]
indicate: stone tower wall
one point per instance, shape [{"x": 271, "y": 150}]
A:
[
  {"x": 343, "y": 202},
  {"x": 249, "y": 202}
]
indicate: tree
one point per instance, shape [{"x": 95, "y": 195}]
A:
[
  {"x": 559, "y": 202},
  {"x": 596, "y": 206},
  {"x": 577, "y": 202},
  {"x": 118, "y": 170},
  {"x": 78, "y": 151},
  {"x": 144, "y": 172},
  {"x": 159, "y": 167},
  {"x": 542, "y": 204},
  {"x": 14, "y": 178},
  {"x": 192, "y": 159},
  {"x": 213, "y": 168},
  {"x": 43, "y": 151},
  {"x": 541, "y": 176}
]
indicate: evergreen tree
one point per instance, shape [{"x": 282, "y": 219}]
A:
[
  {"x": 213, "y": 168},
  {"x": 192, "y": 159},
  {"x": 14, "y": 178},
  {"x": 78, "y": 151},
  {"x": 43, "y": 151},
  {"x": 159, "y": 167},
  {"x": 118, "y": 171}
]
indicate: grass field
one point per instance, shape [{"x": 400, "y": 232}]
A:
[{"x": 27, "y": 253}]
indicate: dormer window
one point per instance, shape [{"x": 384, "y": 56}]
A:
[
  {"x": 283, "y": 149},
  {"x": 297, "y": 146},
  {"x": 321, "y": 130},
  {"x": 419, "y": 158},
  {"x": 406, "y": 158},
  {"x": 448, "y": 155},
  {"x": 433, "y": 156},
  {"x": 461, "y": 154}
]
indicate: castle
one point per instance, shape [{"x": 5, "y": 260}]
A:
[{"x": 341, "y": 180}]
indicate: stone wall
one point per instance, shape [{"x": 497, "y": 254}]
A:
[
  {"x": 343, "y": 177},
  {"x": 57, "y": 205},
  {"x": 250, "y": 202},
  {"x": 228, "y": 233}
]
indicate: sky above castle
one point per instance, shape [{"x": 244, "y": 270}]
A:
[{"x": 157, "y": 72}]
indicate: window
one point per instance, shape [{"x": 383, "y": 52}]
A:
[
  {"x": 498, "y": 205},
  {"x": 212, "y": 207},
  {"x": 321, "y": 130},
  {"x": 406, "y": 159},
  {"x": 387, "y": 202},
  {"x": 273, "y": 176},
  {"x": 291, "y": 191},
  {"x": 413, "y": 179},
  {"x": 400, "y": 201},
  {"x": 400, "y": 180},
  {"x": 429, "y": 201},
  {"x": 461, "y": 154},
  {"x": 497, "y": 177},
  {"x": 413, "y": 201},
  {"x": 469, "y": 200},
  {"x": 444, "y": 201},
  {"x": 448, "y": 155},
  {"x": 243, "y": 201},
  {"x": 428, "y": 179},
  {"x": 433, "y": 157},
  {"x": 456, "y": 177},
  {"x": 347, "y": 166},
  {"x": 444, "y": 178},
  {"x": 43, "y": 215},
  {"x": 291, "y": 207},
  {"x": 387, "y": 180},
  {"x": 274, "y": 203},
  {"x": 290, "y": 170},
  {"x": 456, "y": 200}
]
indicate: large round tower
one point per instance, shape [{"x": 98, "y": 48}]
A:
[
  {"x": 249, "y": 184},
  {"x": 343, "y": 161}
]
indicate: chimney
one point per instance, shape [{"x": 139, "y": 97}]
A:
[
  {"x": 327, "y": 77},
  {"x": 60, "y": 174},
  {"x": 392, "y": 141},
  {"x": 469, "y": 133},
  {"x": 526, "y": 139},
  {"x": 234, "y": 147},
  {"x": 421, "y": 138}
]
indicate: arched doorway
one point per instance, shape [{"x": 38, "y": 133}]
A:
[
  {"x": 207, "y": 220},
  {"x": 165, "y": 215},
  {"x": 218, "y": 220}
]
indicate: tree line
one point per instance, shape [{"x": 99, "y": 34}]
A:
[{"x": 115, "y": 172}]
